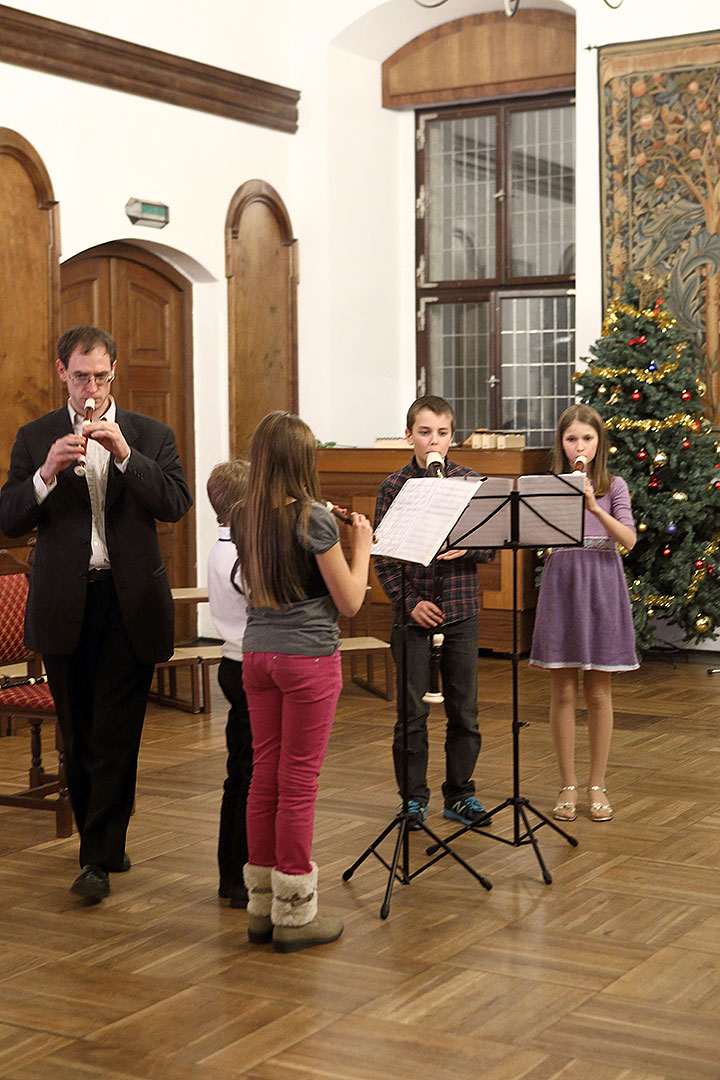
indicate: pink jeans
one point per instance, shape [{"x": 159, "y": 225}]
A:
[{"x": 292, "y": 703}]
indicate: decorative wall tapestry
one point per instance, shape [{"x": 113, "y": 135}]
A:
[{"x": 660, "y": 180}]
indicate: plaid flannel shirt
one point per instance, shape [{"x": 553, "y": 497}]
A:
[{"x": 460, "y": 584}]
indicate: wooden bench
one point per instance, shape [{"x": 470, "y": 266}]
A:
[{"x": 196, "y": 661}]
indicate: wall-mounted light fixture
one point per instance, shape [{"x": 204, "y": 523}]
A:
[{"x": 153, "y": 214}]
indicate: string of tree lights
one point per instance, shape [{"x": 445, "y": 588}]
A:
[{"x": 643, "y": 381}]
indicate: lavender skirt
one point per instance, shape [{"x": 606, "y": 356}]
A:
[{"x": 583, "y": 618}]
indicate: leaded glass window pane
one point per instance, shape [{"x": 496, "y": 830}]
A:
[
  {"x": 537, "y": 347},
  {"x": 542, "y": 207},
  {"x": 459, "y": 337},
  {"x": 460, "y": 187}
]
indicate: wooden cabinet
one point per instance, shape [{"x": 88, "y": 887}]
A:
[{"x": 351, "y": 477}]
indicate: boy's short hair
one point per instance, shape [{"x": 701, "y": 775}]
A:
[
  {"x": 435, "y": 404},
  {"x": 226, "y": 486}
]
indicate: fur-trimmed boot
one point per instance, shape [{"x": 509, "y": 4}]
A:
[
  {"x": 296, "y": 923},
  {"x": 258, "y": 883}
]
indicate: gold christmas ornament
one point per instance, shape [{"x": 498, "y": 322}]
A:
[
  {"x": 612, "y": 450},
  {"x": 642, "y": 527},
  {"x": 602, "y": 389},
  {"x": 660, "y": 458},
  {"x": 679, "y": 496},
  {"x": 614, "y": 395},
  {"x": 650, "y": 612},
  {"x": 703, "y": 624},
  {"x": 701, "y": 388}
]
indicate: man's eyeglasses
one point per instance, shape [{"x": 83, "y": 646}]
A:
[{"x": 79, "y": 378}]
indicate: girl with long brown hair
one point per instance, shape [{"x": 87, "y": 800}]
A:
[{"x": 297, "y": 579}]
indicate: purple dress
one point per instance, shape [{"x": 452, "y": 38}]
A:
[{"x": 583, "y": 618}]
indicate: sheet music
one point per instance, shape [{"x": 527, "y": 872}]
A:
[
  {"x": 486, "y": 516},
  {"x": 420, "y": 518},
  {"x": 559, "y": 500}
]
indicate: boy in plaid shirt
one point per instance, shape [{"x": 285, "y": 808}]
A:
[{"x": 430, "y": 427}]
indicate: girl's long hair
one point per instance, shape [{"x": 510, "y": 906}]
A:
[
  {"x": 597, "y": 468},
  {"x": 283, "y": 478}
]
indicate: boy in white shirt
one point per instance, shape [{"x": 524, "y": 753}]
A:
[{"x": 226, "y": 487}]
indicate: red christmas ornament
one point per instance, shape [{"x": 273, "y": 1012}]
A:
[
  {"x": 686, "y": 444},
  {"x": 697, "y": 425},
  {"x": 658, "y": 304},
  {"x": 653, "y": 482},
  {"x": 686, "y": 395},
  {"x": 666, "y": 550},
  {"x": 642, "y": 454},
  {"x": 709, "y": 569},
  {"x": 637, "y": 340},
  {"x": 716, "y": 485},
  {"x": 699, "y": 564},
  {"x": 636, "y": 395}
]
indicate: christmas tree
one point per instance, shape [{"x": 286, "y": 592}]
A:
[{"x": 643, "y": 381}]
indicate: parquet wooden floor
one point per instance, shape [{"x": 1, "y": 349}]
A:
[{"x": 610, "y": 973}]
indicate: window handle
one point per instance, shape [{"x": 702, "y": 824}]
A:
[
  {"x": 493, "y": 381},
  {"x": 499, "y": 195}
]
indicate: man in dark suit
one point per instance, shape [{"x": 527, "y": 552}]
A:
[{"x": 99, "y": 610}]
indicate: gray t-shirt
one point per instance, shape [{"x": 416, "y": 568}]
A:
[{"x": 309, "y": 627}]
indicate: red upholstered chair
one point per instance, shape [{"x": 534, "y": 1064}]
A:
[{"x": 33, "y": 702}]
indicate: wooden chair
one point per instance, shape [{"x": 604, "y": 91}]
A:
[
  {"x": 34, "y": 702},
  {"x": 362, "y": 646}
]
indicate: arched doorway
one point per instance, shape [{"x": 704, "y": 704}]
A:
[
  {"x": 29, "y": 260},
  {"x": 147, "y": 306},
  {"x": 260, "y": 254}
]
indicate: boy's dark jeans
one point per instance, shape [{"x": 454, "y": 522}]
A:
[
  {"x": 458, "y": 668},
  {"x": 232, "y": 842}
]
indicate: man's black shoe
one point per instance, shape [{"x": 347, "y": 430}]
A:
[
  {"x": 126, "y": 864},
  {"x": 93, "y": 884}
]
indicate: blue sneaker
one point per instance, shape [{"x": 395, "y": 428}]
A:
[
  {"x": 417, "y": 812},
  {"x": 469, "y": 811}
]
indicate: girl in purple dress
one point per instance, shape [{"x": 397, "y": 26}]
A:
[{"x": 583, "y": 619}]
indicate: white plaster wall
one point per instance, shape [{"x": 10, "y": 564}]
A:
[
  {"x": 101, "y": 147},
  {"x": 347, "y": 179}
]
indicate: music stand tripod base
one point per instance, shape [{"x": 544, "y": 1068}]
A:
[
  {"x": 519, "y": 805},
  {"x": 400, "y": 870},
  {"x": 402, "y": 873}
]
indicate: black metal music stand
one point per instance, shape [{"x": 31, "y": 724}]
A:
[
  {"x": 520, "y": 805},
  {"x": 400, "y": 870}
]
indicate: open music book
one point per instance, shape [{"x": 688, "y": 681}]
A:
[
  {"x": 431, "y": 514},
  {"x": 421, "y": 516}
]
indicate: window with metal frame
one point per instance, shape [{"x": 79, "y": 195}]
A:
[{"x": 496, "y": 262}]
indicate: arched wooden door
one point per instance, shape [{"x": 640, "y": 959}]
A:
[
  {"x": 147, "y": 307},
  {"x": 29, "y": 270},
  {"x": 261, "y": 258}
]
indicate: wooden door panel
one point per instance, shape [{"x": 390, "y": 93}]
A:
[
  {"x": 262, "y": 287},
  {"x": 29, "y": 261}
]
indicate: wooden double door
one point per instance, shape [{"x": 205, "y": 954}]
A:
[{"x": 147, "y": 307}]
